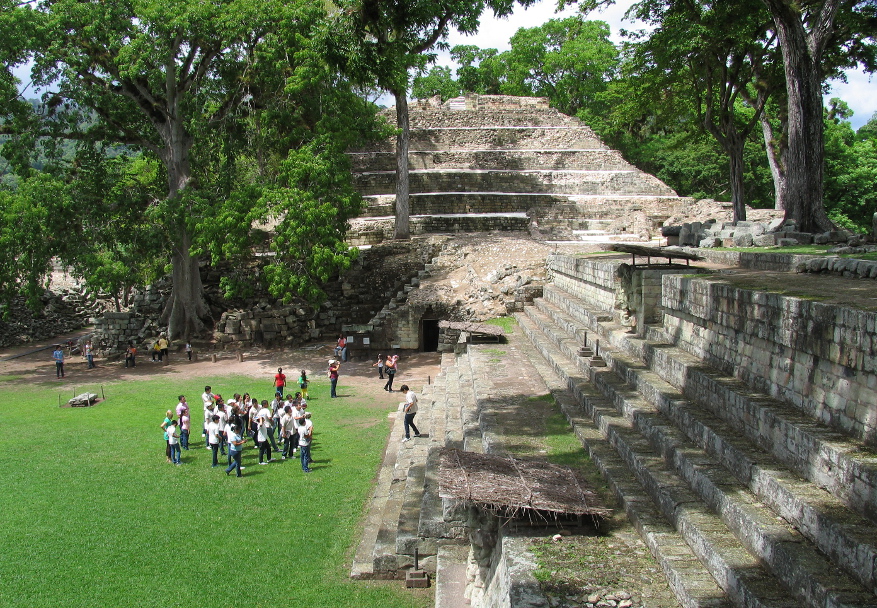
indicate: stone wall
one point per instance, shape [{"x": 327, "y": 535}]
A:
[
  {"x": 591, "y": 183},
  {"x": 578, "y": 137},
  {"x": 817, "y": 356},
  {"x": 590, "y": 279}
]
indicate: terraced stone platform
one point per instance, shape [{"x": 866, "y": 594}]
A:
[
  {"x": 497, "y": 157},
  {"x": 760, "y": 492}
]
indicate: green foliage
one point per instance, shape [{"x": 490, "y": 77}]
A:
[
  {"x": 850, "y": 170},
  {"x": 111, "y": 524},
  {"x": 313, "y": 208},
  {"x": 567, "y": 60},
  {"x": 508, "y": 324},
  {"x": 34, "y": 224},
  {"x": 438, "y": 81},
  {"x": 209, "y": 145}
]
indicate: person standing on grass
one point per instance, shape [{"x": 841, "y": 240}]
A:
[
  {"x": 164, "y": 427},
  {"x": 263, "y": 421},
  {"x": 409, "y": 406},
  {"x": 279, "y": 382},
  {"x": 303, "y": 383},
  {"x": 380, "y": 366},
  {"x": 305, "y": 433},
  {"x": 185, "y": 425},
  {"x": 182, "y": 407},
  {"x": 236, "y": 442},
  {"x": 223, "y": 422},
  {"x": 58, "y": 357},
  {"x": 287, "y": 433},
  {"x": 173, "y": 440},
  {"x": 207, "y": 401},
  {"x": 334, "y": 366},
  {"x": 391, "y": 367},
  {"x": 213, "y": 432}
]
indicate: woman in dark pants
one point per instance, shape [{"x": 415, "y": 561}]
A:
[{"x": 390, "y": 368}]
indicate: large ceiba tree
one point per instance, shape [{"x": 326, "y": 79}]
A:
[
  {"x": 200, "y": 86},
  {"x": 817, "y": 40},
  {"x": 721, "y": 56}
]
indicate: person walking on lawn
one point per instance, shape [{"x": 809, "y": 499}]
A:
[
  {"x": 279, "y": 382},
  {"x": 334, "y": 366},
  {"x": 236, "y": 442},
  {"x": 305, "y": 433}
]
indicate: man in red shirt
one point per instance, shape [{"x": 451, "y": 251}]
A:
[{"x": 279, "y": 381}]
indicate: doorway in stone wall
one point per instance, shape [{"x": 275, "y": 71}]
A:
[{"x": 429, "y": 335}]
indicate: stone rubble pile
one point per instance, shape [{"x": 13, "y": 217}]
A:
[
  {"x": 776, "y": 233},
  {"x": 64, "y": 312}
]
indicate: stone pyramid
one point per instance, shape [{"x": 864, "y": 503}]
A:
[{"x": 489, "y": 162}]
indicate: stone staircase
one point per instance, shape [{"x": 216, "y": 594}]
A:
[
  {"x": 778, "y": 508},
  {"x": 498, "y": 166},
  {"x": 405, "y": 512}
]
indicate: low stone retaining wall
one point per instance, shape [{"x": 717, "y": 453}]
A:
[
  {"x": 509, "y": 580},
  {"x": 816, "y": 356}
]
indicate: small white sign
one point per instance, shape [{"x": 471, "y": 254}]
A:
[
  {"x": 366, "y": 341},
  {"x": 350, "y": 339}
]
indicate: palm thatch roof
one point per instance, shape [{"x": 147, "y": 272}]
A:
[{"x": 516, "y": 487}]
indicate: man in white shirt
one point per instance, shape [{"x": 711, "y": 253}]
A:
[
  {"x": 213, "y": 431},
  {"x": 207, "y": 400},
  {"x": 305, "y": 430},
  {"x": 410, "y": 409},
  {"x": 263, "y": 420},
  {"x": 223, "y": 422}
]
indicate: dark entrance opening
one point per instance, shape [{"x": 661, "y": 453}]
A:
[{"x": 429, "y": 331}]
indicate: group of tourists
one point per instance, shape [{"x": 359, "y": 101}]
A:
[{"x": 229, "y": 425}]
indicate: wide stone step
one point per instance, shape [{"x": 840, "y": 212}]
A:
[
  {"x": 543, "y": 181},
  {"x": 481, "y": 118},
  {"x": 393, "y": 519},
  {"x": 692, "y": 583},
  {"x": 593, "y": 160},
  {"x": 849, "y": 539},
  {"x": 800, "y": 566},
  {"x": 828, "y": 459},
  {"x": 499, "y": 138}
]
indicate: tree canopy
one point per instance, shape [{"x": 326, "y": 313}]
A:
[{"x": 217, "y": 100}]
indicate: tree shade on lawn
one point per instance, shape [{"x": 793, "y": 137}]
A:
[{"x": 94, "y": 516}]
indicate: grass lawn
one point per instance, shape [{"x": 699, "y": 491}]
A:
[{"x": 92, "y": 515}]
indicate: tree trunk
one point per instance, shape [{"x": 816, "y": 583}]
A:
[
  {"x": 804, "y": 159},
  {"x": 402, "y": 200},
  {"x": 734, "y": 150},
  {"x": 186, "y": 306},
  {"x": 775, "y": 152}
]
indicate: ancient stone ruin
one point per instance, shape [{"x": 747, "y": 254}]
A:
[{"x": 492, "y": 162}]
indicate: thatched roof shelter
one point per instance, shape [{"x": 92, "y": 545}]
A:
[{"x": 516, "y": 487}]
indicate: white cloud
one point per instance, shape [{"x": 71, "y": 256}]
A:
[{"x": 859, "y": 92}]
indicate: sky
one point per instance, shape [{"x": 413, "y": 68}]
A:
[{"x": 860, "y": 92}]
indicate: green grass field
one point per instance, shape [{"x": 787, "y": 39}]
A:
[{"x": 92, "y": 515}]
